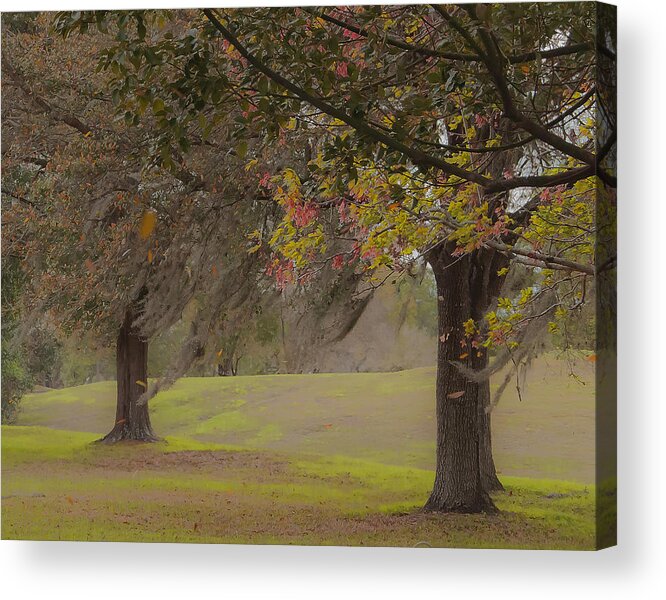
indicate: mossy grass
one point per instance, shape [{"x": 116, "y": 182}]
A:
[{"x": 59, "y": 485}]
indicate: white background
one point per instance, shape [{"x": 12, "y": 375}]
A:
[{"x": 635, "y": 569}]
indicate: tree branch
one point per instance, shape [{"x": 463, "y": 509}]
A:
[
  {"x": 396, "y": 42},
  {"x": 455, "y": 24},
  {"x": 417, "y": 156},
  {"x": 41, "y": 104},
  {"x": 553, "y": 53},
  {"x": 22, "y": 199},
  {"x": 541, "y": 181},
  {"x": 546, "y": 259},
  {"x": 494, "y": 60}
]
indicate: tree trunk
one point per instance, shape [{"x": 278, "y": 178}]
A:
[
  {"x": 485, "y": 287},
  {"x": 458, "y": 485},
  {"x": 467, "y": 286},
  {"x": 489, "y": 479},
  {"x": 132, "y": 419},
  {"x": 227, "y": 367}
]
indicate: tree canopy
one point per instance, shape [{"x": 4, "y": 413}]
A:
[{"x": 480, "y": 125}]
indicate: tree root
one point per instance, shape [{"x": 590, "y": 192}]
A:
[{"x": 126, "y": 434}]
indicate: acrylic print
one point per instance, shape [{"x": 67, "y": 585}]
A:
[{"x": 319, "y": 275}]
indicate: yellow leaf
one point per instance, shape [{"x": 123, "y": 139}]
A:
[
  {"x": 147, "y": 224},
  {"x": 463, "y": 355},
  {"x": 141, "y": 383},
  {"x": 150, "y": 256}
]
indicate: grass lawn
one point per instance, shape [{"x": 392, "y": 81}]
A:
[
  {"x": 341, "y": 459},
  {"x": 57, "y": 486},
  {"x": 380, "y": 417}
]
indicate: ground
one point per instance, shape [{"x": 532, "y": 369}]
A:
[{"x": 297, "y": 459}]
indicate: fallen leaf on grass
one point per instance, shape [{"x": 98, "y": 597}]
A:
[{"x": 148, "y": 221}]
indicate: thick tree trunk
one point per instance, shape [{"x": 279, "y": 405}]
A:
[
  {"x": 132, "y": 419},
  {"x": 467, "y": 287},
  {"x": 485, "y": 287},
  {"x": 489, "y": 479},
  {"x": 458, "y": 483}
]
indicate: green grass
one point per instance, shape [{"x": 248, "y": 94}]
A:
[
  {"x": 59, "y": 486},
  {"x": 27, "y": 444},
  {"x": 379, "y": 417},
  {"x": 298, "y": 459}
]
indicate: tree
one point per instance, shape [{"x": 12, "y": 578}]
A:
[
  {"x": 118, "y": 229},
  {"x": 433, "y": 90},
  {"x": 475, "y": 136},
  {"x": 107, "y": 241}
]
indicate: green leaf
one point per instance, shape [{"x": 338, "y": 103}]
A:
[{"x": 158, "y": 106}]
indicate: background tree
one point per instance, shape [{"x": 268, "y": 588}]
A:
[
  {"x": 118, "y": 230},
  {"x": 108, "y": 242}
]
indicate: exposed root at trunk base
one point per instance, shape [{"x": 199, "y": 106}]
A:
[
  {"x": 123, "y": 433},
  {"x": 493, "y": 484},
  {"x": 480, "y": 505}
]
